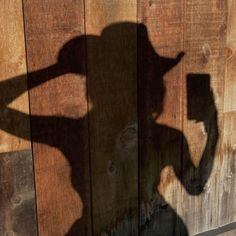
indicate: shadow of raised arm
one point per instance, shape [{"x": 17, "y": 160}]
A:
[
  {"x": 194, "y": 178},
  {"x": 71, "y": 59}
]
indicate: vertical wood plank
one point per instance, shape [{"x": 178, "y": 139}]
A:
[
  {"x": 204, "y": 41},
  {"x": 227, "y": 212},
  {"x": 227, "y": 182},
  {"x": 12, "y": 63},
  {"x": 160, "y": 40},
  {"x": 17, "y": 193},
  {"x": 56, "y": 52},
  {"x": 112, "y": 89}
]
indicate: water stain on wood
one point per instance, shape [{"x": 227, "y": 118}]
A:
[{"x": 17, "y": 194}]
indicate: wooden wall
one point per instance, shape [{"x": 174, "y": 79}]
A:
[{"x": 100, "y": 132}]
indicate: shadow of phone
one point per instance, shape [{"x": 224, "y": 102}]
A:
[{"x": 198, "y": 96}]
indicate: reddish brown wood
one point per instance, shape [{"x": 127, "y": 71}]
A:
[
  {"x": 160, "y": 40},
  {"x": 58, "y": 102}
]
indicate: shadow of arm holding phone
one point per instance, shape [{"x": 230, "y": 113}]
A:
[
  {"x": 172, "y": 149},
  {"x": 200, "y": 108}
]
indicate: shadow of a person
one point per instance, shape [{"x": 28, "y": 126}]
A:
[
  {"x": 51, "y": 130},
  {"x": 169, "y": 146}
]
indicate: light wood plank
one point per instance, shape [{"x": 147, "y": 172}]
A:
[
  {"x": 204, "y": 41},
  {"x": 12, "y": 63}
]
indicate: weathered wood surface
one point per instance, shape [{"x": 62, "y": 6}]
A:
[
  {"x": 17, "y": 195},
  {"x": 116, "y": 147},
  {"x": 223, "y": 230},
  {"x": 230, "y": 233},
  {"x": 12, "y": 63},
  {"x": 58, "y": 106},
  {"x": 160, "y": 83},
  {"x": 204, "y": 41},
  {"x": 227, "y": 182},
  {"x": 112, "y": 91},
  {"x": 189, "y": 26}
]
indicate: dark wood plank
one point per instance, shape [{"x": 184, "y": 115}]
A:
[
  {"x": 58, "y": 102},
  {"x": 17, "y": 194},
  {"x": 112, "y": 90},
  {"x": 160, "y": 42}
]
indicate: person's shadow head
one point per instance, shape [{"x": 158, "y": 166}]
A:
[{"x": 116, "y": 57}]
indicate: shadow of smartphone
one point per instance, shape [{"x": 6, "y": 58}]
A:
[{"x": 198, "y": 95}]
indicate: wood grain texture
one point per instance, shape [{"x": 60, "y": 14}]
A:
[
  {"x": 230, "y": 33},
  {"x": 230, "y": 233},
  {"x": 17, "y": 195},
  {"x": 12, "y": 63},
  {"x": 204, "y": 41},
  {"x": 228, "y": 229},
  {"x": 112, "y": 85},
  {"x": 119, "y": 146},
  {"x": 227, "y": 182},
  {"x": 58, "y": 105},
  {"x": 160, "y": 83}
]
